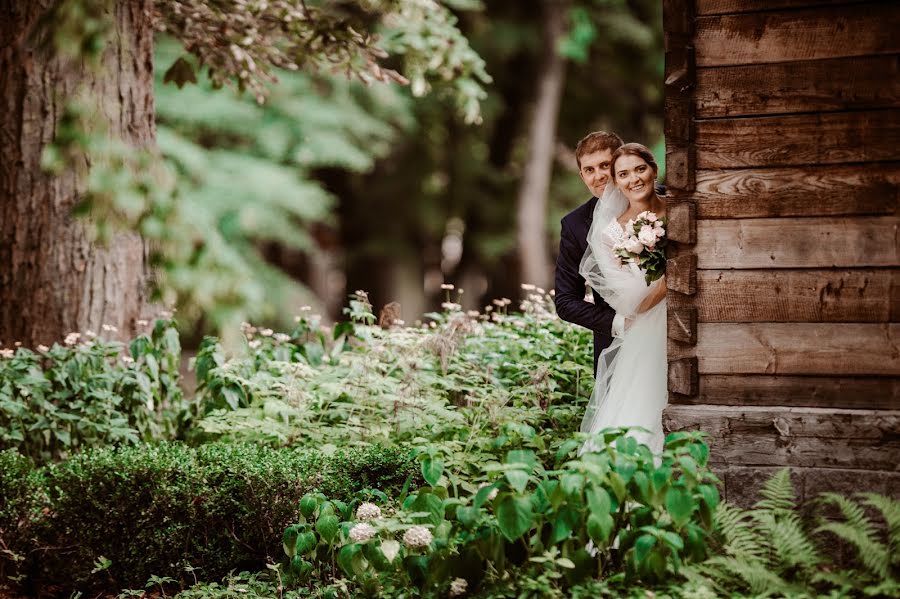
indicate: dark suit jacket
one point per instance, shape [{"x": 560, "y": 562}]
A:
[{"x": 570, "y": 286}]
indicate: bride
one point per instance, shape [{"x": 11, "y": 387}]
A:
[{"x": 630, "y": 389}]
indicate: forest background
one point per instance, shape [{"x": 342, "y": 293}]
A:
[{"x": 298, "y": 192}]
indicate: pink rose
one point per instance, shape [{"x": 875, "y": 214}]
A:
[
  {"x": 634, "y": 246},
  {"x": 651, "y": 216},
  {"x": 647, "y": 236}
]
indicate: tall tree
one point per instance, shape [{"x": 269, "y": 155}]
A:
[
  {"x": 53, "y": 278},
  {"x": 531, "y": 210}
]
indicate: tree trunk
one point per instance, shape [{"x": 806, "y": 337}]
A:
[
  {"x": 53, "y": 279},
  {"x": 531, "y": 232}
]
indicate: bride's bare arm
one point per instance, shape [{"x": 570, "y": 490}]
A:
[{"x": 656, "y": 295}]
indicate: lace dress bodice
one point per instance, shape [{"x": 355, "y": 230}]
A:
[{"x": 614, "y": 231}]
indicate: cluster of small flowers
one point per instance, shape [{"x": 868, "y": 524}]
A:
[
  {"x": 7, "y": 352},
  {"x": 417, "y": 537},
  {"x": 458, "y": 587},
  {"x": 368, "y": 511},
  {"x": 538, "y": 302},
  {"x": 362, "y": 532}
]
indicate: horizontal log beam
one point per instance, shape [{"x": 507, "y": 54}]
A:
[
  {"x": 724, "y": 7},
  {"x": 794, "y": 348},
  {"x": 798, "y": 242},
  {"x": 808, "y": 437},
  {"x": 823, "y": 295},
  {"x": 780, "y": 141},
  {"x": 856, "y": 83},
  {"x": 808, "y": 34},
  {"x": 868, "y": 393},
  {"x": 831, "y": 190}
]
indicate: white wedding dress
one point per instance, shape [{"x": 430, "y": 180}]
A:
[{"x": 630, "y": 389}]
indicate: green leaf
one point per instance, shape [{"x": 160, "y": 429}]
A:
[
  {"x": 432, "y": 468},
  {"x": 428, "y": 503},
  {"x": 565, "y": 562},
  {"x": 598, "y": 500},
  {"x": 347, "y": 559},
  {"x": 327, "y": 527},
  {"x": 390, "y": 548},
  {"x": 599, "y": 528},
  {"x": 518, "y": 479},
  {"x": 710, "y": 495},
  {"x": 572, "y": 484},
  {"x": 521, "y": 456},
  {"x": 514, "y": 516},
  {"x": 680, "y": 505},
  {"x": 306, "y": 542},
  {"x": 308, "y": 505},
  {"x": 642, "y": 547},
  {"x": 289, "y": 541}
]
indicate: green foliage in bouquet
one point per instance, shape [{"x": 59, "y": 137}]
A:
[{"x": 89, "y": 392}]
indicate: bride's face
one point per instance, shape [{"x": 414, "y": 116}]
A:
[{"x": 634, "y": 177}]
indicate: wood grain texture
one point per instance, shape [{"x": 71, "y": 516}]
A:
[
  {"x": 723, "y": 7},
  {"x": 808, "y": 437},
  {"x": 683, "y": 377},
  {"x": 742, "y": 483},
  {"x": 808, "y": 86},
  {"x": 808, "y": 34},
  {"x": 780, "y": 141},
  {"x": 798, "y": 242},
  {"x": 682, "y": 222},
  {"x": 833, "y": 349},
  {"x": 832, "y": 190},
  {"x": 682, "y": 320},
  {"x": 822, "y": 295},
  {"x": 871, "y": 393},
  {"x": 681, "y": 271}
]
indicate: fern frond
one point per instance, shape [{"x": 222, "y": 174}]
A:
[
  {"x": 872, "y": 554},
  {"x": 792, "y": 545},
  {"x": 778, "y": 493},
  {"x": 739, "y": 532},
  {"x": 890, "y": 510},
  {"x": 751, "y": 575}
]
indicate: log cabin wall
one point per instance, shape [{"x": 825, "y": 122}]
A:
[{"x": 783, "y": 175}]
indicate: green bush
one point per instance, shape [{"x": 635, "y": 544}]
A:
[
  {"x": 20, "y": 501},
  {"x": 151, "y": 510},
  {"x": 89, "y": 392}
]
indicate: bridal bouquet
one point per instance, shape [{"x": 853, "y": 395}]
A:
[{"x": 644, "y": 244}]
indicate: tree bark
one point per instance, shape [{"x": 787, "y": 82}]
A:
[
  {"x": 531, "y": 211},
  {"x": 53, "y": 279}
]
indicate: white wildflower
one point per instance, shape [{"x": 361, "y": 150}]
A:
[
  {"x": 72, "y": 338},
  {"x": 18, "y": 344},
  {"x": 452, "y": 306},
  {"x": 528, "y": 287},
  {"x": 362, "y": 532},
  {"x": 492, "y": 495},
  {"x": 110, "y": 328},
  {"x": 473, "y": 313},
  {"x": 128, "y": 359},
  {"x": 368, "y": 511},
  {"x": 255, "y": 343},
  {"x": 266, "y": 332},
  {"x": 141, "y": 322},
  {"x": 43, "y": 348},
  {"x": 282, "y": 337},
  {"x": 417, "y": 536},
  {"x": 90, "y": 334},
  {"x": 447, "y": 287},
  {"x": 458, "y": 587},
  {"x": 6, "y": 353}
]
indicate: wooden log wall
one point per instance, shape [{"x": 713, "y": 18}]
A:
[{"x": 783, "y": 175}]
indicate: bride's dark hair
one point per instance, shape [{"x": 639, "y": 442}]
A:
[{"x": 633, "y": 149}]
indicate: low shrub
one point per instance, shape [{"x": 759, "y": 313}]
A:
[
  {"x": 119, "y": 516},
  {"x": 21, "y": 497},
  {"x": 90, "y": 392}
]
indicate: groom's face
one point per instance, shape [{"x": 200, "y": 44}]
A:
[{"x": 595, "y": 170}]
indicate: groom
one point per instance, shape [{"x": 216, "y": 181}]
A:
[{"x": 593, "y": 155}]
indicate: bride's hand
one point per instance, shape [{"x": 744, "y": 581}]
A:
[{"x": 656, "y": 295}]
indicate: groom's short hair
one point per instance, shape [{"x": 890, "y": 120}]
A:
[{"x": 597, "y": 142}]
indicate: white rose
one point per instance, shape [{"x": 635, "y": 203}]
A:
[
  {"x": 647, "y": 236},
  {"x": 362, "y": 532},
  {"x": 651, "y": 217},
  {"x": 634, "y": 246}
]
